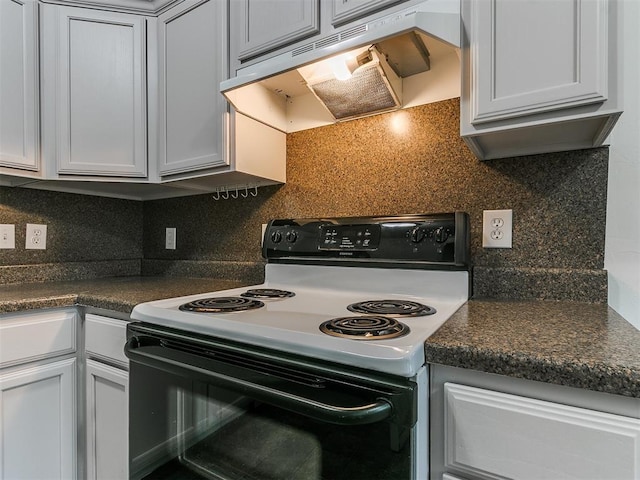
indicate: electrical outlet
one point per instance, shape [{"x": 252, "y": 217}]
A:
[
  {"x": 170, "y": 238},
  {"x": 497, "y": 228},
  {"x": 36, "y": 237},
  {"x": 7, "y": 236}
]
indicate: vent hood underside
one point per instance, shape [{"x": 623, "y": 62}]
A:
[
  {"x": 372, "y": 87},
  {"x": 409, "y": 60}
]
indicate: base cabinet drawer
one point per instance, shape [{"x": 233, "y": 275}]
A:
[
  {"x": 37, "y": 336},
  {"x": 105, "y": 338},
  {"x": 491, "y": 435}
]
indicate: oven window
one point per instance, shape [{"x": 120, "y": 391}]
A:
[{"x": 182, "y": 429}]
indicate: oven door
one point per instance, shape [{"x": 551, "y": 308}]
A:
[{"x": 207, "y": 408}]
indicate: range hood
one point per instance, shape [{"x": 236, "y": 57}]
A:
[{"x": 404, "y": 59}]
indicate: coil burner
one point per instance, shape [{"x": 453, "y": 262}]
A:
[
  {"x": 221, "y": 305},
  {"x": 393, "y": 308},
  {"x": 267, "y": 293},
  {"x": 369, "y": 327}
]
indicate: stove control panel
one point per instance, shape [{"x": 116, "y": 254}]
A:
[
  {"x": 349, "y": 237},
  {"x": 419, "y": 241}
]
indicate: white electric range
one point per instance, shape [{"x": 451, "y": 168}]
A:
[
  {"x": 397, "y": 298},
  {"x": 335, "y": 334}
]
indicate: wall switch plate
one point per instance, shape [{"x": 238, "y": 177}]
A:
[
  {"x": 7, "y": 236},
  {"x": 36, "y": 238},
  {"x": 497, "y": 226},
  {"x": 170, "y": 238}
]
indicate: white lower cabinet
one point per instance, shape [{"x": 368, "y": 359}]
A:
[
  {"x": 496, "y": 435},
  {"x": 37, "y": 422},
  {"x": 107, "y": 400},
  {"x": 514, "y": 429},
  {"x": 41, "y": 426},
  {"x": 107, "y": 421},
  {"x": 38, "y": 396}
]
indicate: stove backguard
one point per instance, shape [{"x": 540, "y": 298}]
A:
[{"x": 433, "y": 241}]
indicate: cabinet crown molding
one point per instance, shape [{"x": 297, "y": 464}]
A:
[{"x": 145, "y": 7}]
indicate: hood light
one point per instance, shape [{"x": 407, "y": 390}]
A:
[{"x": 343, "y": 66}]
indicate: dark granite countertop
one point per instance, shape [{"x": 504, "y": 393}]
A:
[
  {"x": 119, "y": 294},
  {"x": 575, "y": 344}
]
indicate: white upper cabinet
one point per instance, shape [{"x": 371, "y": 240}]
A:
[
  {"x": 565, "y": 66},
  {"x": 192, "y": 45},
  {"x": 19, "y": 127},
  {"x": 95, "y": 104},
  {"x": 537, "y": 76},
  {"x": 258, "y": 27},
  {"x": 347, "y": 10},
  {"x": 201, "y": 146},
  {"x": 131, "y": 105},
  {"x": 268, "y": 28}
]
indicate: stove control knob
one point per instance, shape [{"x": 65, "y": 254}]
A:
[
  {"x": 292, "y": 237},
  {"x": 441, "y": 235},
  {"x": 417, "y": 235},
  {"x": 276, "y": 237}
]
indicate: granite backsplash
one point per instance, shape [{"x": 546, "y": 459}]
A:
[
  {"x": 411, "y": 161},
  {"x": 87, "y": 236}
]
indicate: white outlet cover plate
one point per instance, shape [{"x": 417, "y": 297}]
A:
[
  {"x": 7, "y": 235},
  {"x": 170, "y": 238},
  {"x": 497, "y": 228},
  {"x": 36, "y": 238}
]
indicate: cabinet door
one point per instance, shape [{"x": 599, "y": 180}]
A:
[
  {"x": 271, "y": 24},
  {"x": 192, "y": 58},
  {"x": 344, "y": 11},
  {"x": 536, "y": 56},
  {"x": 38, "y": 422},
  {"x": 100, "y": 92},
  {"x": 491, "y": 435},
  {"x": 18, "y": 78},
  {"x": 107, "y": 422}
]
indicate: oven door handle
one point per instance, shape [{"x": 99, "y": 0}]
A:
[{"x": 170, "y": 361}]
